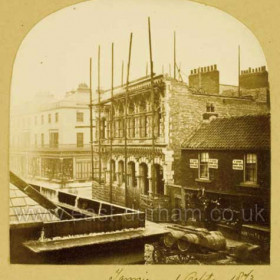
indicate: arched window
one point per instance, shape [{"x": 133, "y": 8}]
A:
[
  {"x": 113, "y": 170},
  {"x": 131, "y": 174},
  {"x": 143, "y": 178},
  {"x": 121, "y": 172},
  {"x": 159, "y": 184}
]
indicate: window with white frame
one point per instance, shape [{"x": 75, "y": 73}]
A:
[
  {"x": 250, "y": 168},
  {"x": 203, "y": 165}
]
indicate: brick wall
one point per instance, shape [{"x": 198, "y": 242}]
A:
[
  {"x": 102, "y": 192},
  {"x": 224, "y": 178},
  {"x": 205, "y": 78},
  {"x": 254, "y": 78},
  {"x": 186, "y": 110}
]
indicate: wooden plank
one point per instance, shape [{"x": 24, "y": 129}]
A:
[{"x": 152, "y": 230}]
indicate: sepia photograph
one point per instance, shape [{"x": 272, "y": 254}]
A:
[{"x": 140, "y": 134}]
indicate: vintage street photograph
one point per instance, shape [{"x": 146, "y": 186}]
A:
[{"x": 140, "y": 134}]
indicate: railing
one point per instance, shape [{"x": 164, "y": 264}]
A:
[{"x": 154, "y": 201}]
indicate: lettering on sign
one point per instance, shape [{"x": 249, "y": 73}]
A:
[
  {"x": 237, "y": 164},
  {"x": 193, "y": 163},
  {"x": 213, "y": 163}
]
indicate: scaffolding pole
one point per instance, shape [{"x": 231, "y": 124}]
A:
[
  {"x": 91, "y": 118},
  {"x": 153, "y": 106},
  {"x": 174, "y": 59},
  {"x": 111, "y": 123},
  {"x": 125, "y": 122},
  {"x": 238, "y": 70},
  {"x": 122, "y": 74},
  {"x": 99, "y": 118}
]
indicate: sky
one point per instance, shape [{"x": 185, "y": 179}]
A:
[{"x": 54, "y": 56}]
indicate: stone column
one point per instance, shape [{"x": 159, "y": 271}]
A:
[{"x": 150, "y": 179}]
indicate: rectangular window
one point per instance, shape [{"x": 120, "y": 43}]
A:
[
  {"x": 50, "y": 118},
  {"x": 54, "y": 139},
  {"x": 131, "y": 128},
  {"x": 102, "y": 128},
  {"x": 250, "y": 168},
  {"x": 80, "y": 117},
  {"x": 203, "y": 165},
  {"x": 42, "y": 119},
  {"x": 116, "y": 128},
  {"x": 121, "y": 126},
  {"x": 56, "y": 117},
  {"x": 42, "y": 140},
  {"x": 143, "y": 126},
  {"x": 80, "y": 139}
]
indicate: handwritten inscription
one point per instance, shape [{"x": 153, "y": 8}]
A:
[
  {"x": 120, "y": 274},
  {"x": 243, "y": 276},
  {"x": 194, "y": 275}
]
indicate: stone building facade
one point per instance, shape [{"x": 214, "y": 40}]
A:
[
  {"x": 178, "y": 112},
  {"x": 49, "y": 139}
]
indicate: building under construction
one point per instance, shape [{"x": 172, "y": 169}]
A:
[{"x": 138, "y": 148}]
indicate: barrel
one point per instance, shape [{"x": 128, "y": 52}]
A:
[
  {"x": 171, "y": 238},
  {"x": 186, "y": 241},
  {"x": 214, "y": 240}
]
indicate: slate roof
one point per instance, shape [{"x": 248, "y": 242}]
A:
[
  {"x": 23, "y": 209},
  {"x": 232, "y": 133}
]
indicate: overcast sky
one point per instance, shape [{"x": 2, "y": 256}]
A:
[{"x": 54, "y": 56}]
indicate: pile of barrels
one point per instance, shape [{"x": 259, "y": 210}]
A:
[{"x": 188, "y": 239}]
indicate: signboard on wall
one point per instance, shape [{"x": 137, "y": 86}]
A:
[
  {"x": 213, "y": 163},
  {"x": 237, "y": 164},
  {"x": 193, "y": 163}
]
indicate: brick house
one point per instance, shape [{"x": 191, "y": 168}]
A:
[{"x": 228, "y": 161}]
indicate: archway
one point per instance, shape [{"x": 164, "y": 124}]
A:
[
  {"x": 133, "y": 193},
  {"x": 159, "y": 183},
  {"x": 143, "y": 178}
]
